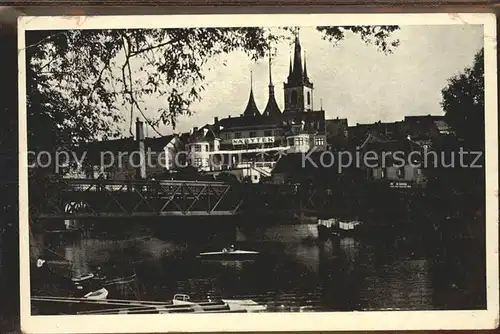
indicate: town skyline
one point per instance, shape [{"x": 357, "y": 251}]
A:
[{"x": 420, "y": 66}]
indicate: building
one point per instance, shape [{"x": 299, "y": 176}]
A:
[
  {"x": 425, "y": 130},
  {"x": 392, "y": 163},
  {"x": 337, "y": 133},
  {"x": 119, "y": 159},
  {"x": 256, "y": 140},
  {"x": 201, "y": 147}
]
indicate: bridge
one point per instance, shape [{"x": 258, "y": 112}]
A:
[{"x": 86, "y": 198}]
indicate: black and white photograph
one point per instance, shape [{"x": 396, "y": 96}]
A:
[{"x": 272, "y": 172}]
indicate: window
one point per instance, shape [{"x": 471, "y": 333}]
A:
[
  {"x": 308, "y": 98},
  {"x": 237, "y": 135},
  {"x": 253, "y": 134},
  {"x": 299, "y": 141},
  {"x": 268, "y": 133},
  {"x": 290, "y": 141},
  {"x": 400, "y": 172},
  {"x": 278, "y": 132},
  {"x": 293, "y": 98},
  {"x": 197, "y": 162},
  {"x": 197, "y": 148},
  {"x": 319, "y": 141}
]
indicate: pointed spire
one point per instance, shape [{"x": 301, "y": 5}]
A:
[
  {"x": 305, "y": 65},
  {"x": 298, "y": 75},
  {"x": 270, "y": 73},
  {"x": 271, "y": 107},
  {"x": 290, "y": 69},
  {"x": 251, "y": 109},
  {"x": 297, "y": 59}
]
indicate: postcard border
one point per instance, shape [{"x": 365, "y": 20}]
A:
[{"x": 324, "y": 321}]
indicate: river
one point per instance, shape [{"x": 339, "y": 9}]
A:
[{"x": 294, "y": 272}]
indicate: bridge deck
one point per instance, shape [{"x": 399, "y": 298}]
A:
[{"x": 82, "y": 198}]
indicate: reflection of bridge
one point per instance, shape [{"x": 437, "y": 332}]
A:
[{"x": 74, "y": 198}]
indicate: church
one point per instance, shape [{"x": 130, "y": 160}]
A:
[{"x": 257, "y": 139}]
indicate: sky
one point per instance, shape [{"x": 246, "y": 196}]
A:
[{"x": 351, "y": 80}]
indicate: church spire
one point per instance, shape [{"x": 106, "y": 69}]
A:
[
  {"x": 271, "y": 107},
  {"x": 305, "y": 66},
  {"x": 297, "y": 60},
  {"x": 251, "y": 109},
  {"x": 270, "y": 73},
  {"x": 298, "y": 88},
  {"x": 290, "y": 69}
]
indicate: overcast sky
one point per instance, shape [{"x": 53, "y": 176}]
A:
[{"x": 353, "y": 80}]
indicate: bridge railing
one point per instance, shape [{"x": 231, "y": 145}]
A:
[{"x": 72, "y": 197}]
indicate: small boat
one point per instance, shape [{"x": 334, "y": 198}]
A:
[
  {"x": 244, "y": 305},
  {"x": 229, "y": 254},
  {"x": 82, "y": 277},
  {"x": 98, "y": 294}
]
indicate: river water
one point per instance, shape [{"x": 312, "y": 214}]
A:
[{"x": 295, "y": 271}]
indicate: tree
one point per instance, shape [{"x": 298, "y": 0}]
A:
[
  {"x": 79, "y": 80},
  {"x": 463, "y": 103}
]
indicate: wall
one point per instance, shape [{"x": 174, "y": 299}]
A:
[
  {"x": 199, "y": 154},
  {"x": 390, "y": 173},
  {"x": 228, "y": 136}
]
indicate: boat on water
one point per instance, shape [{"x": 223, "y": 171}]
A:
[
  {"x": 82, "y": 278},
  {"x": 98, "y": 294},
  {"x": 233, "y": 305},
  {"x": 231, "y": 253}
]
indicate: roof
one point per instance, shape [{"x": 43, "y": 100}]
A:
[
  {"x": 251, "y": 110},
  {"x": 272, "y": 108},
  {"x": 314, "y": 121},
  {"x": 377, "y": 144},
  {"x": 241, "y": 121},
  {"x": 336, "y": 127},
  {"x": 205, "y": 134},
  {"x": 126, "y": 144},
  {"x": 424, "y": 118}
]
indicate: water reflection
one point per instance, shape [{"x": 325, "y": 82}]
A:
[{"x": 295, "y": 271}]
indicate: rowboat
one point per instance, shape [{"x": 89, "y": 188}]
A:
[
  {"x": 229, "y": 254},
  {"x": 232, "y": 305},
  {"x": 82, "y": 277},
  {"x": 98, "y": 294}
]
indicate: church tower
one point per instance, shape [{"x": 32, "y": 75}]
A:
[{"x": 298, "y": 88}]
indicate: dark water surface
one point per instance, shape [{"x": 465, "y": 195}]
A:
[{"x": 295, "y": 271}]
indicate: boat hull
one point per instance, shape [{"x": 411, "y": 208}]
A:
[{"x": 229, "y": 256}]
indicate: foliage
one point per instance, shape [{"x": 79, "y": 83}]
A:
[
  {"x": 377, "y": 35},
  {"x": 79, "y": 81},
  {"x": 463, "y": 102}
]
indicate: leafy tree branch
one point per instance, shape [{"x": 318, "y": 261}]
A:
[{"x": 80, "y": 82}]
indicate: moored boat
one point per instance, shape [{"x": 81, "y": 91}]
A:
[
  {"x": 82, "y": 277},
  {"x": 232, "y": 305},
  {"x": 98, "y": 294}
]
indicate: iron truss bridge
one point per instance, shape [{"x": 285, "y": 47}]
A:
[{"x": 84, "y": 198}]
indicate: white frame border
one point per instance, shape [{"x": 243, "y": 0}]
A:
[{"x": 321, "y": 321}]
